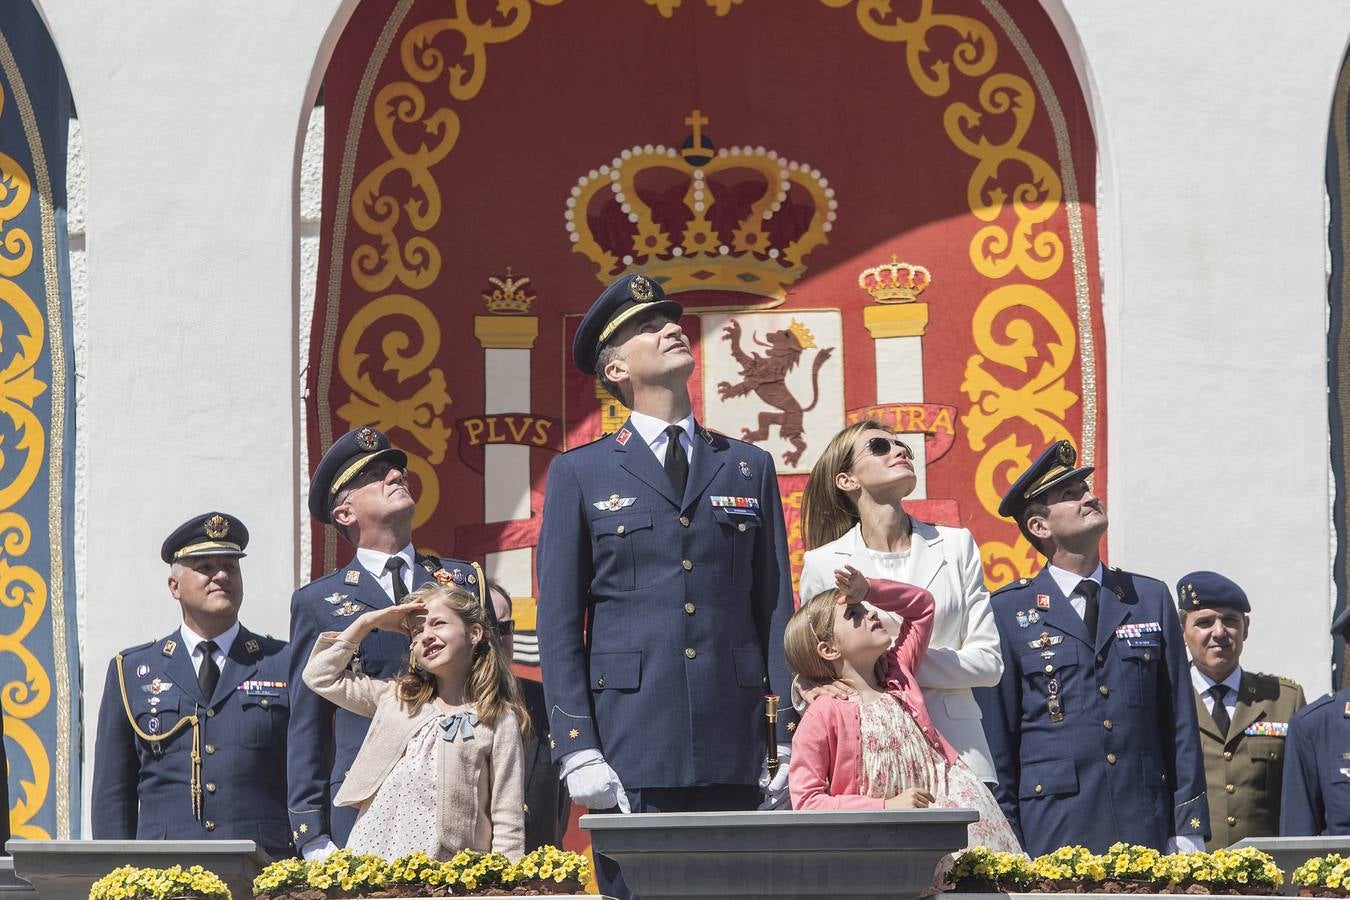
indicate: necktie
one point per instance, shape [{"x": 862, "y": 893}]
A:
[
  {"x": 1088, "y": 588},
  {"x": 1220, "y": 711},
  {"x": 209, "y": 673},
  {"x": 677, "y": 464},
  {"x": 395, "y": 569}
]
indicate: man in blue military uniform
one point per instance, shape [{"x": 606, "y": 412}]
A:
[
  {"x": 192, "y": 728},
  {"x": 1316, "y": 790},
  {"x": 664, "y": 586},
  {"x": 1092, "y": 726},
  {"x": 360, "y": 487}
]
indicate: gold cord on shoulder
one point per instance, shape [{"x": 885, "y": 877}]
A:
[{"x": 195, "y": 779}]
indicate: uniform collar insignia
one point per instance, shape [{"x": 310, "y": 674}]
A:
[
  {"x": 352, "y": 577},
  {"x": 622, "y": 437},
  {"x": 170, "y": 646},
  {"x": 252, "y": 646},
  {"x": 1043, "y": 601}
]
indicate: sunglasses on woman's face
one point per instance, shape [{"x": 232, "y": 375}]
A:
[
  {"x": 506, "y": 627},
  {"x": 880, "y": 446}
]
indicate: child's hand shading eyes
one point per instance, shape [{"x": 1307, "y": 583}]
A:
[{"x": 851, "y": 583}]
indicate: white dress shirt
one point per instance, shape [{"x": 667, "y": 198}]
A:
[
  {"x": 653, "y": 431},
  {"x": 374, "y": 562},
  {"x": 1202, "y": 683},
  {"x": 224, "y": 641},
  {"x": 1067, "y": 582}
]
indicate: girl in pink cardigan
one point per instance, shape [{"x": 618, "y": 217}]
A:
[
  {"x": 441, "y": 768},
  {"x": 878, "y": 748}
]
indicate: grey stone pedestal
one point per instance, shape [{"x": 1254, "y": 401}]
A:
[
  {"x": 65, "y": 870},
  {"x": 1292, "y": 852},
  {"x": 864, "y": 855}
]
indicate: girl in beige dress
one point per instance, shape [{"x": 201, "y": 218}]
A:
[{"x": 440, "y": 769}]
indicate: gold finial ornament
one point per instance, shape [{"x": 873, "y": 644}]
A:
[
  {"x": 895, "y": 281},
  {"x": 507, "y": 295}
]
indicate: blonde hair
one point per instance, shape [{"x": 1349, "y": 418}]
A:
[
  {"x": 491, "y": 686},
  {"x": 827, "y": 512},
  {"x": 809, "y": 627}
]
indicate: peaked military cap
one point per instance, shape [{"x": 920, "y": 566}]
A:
[
  {"x": 1055, "y": 465},
  {"x": 210, "y": 534},
  {"x": 618, "y": 303},
  {"x": 344, "y": 461},
  {"x": 1342, "y": 624},
  {"x": 1210, "y": 590}
]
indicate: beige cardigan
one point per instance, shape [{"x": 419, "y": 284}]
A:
[{"x": 482, "y": 794}]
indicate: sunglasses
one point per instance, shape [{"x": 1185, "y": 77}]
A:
[
  {"x": 880, "y": 446},
  {"x": 506, "y": 627}
]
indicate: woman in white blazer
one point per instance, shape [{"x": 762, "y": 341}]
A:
[{"x": 852, "y": 514}]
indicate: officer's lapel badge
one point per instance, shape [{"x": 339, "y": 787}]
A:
[
  {"x": 142, "y": 670},
  {"x": 252, "y": 646},
  {"x": 455, "y": 576},
  {"x": 152, "y": 724},
  {"x": 335, "y": 598},
  {"x": 1345, "y": 771},
  {"x": 614, "y": 502},
  {"x": 169, "y": 647},
  {"x": 349, "y": 607},
  {"x": 1118, "y": 591},
  {"x": 1046, "y": 640},
  {"x": 622, "y": 437},
  {"x": 1033, "y": 617},
  {"x": 745, "y": 469},
  {"x": 353, "y": 576},
  {"x": 1022, "y": 621},
  {"x": 157, "y": 685},
  {"x": 1043, "y": 601}
]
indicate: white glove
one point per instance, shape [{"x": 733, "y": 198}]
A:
[
  {"x": 591, "y": 781},
  {"x": 776, "y": 789},
  {"x": 318, "y": 849},
  {"x": 1185, "y": 843}
]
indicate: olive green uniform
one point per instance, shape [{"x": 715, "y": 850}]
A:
[{"x": 1243, "y": 772}]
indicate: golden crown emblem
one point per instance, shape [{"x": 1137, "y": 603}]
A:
[
  {"x": 895, "y": 282},
  {"x": 805, "y": 339},
  {"x": 702, "y": 218},
  {"x": 507, "y": 296}
]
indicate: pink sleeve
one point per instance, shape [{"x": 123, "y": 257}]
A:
[
  {"x": 915, "y": 605},
  {"x": 813, "y": 749}
]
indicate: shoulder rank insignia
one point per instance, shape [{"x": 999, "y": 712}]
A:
[
  {"x": 353, "y": 576},
  {"x": 335, "y": 598},
  {"x": 251, "y": 646},
  {"x": 169, "y": 647},
  {"x": 1043, "y": 601},
  {"x": 622, "y": 437},
  {"x": 614, "y": 502}
]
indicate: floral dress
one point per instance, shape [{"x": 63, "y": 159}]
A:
[
  {"x": 401, "y": 817},
  {"x": 896, "y": 756}
]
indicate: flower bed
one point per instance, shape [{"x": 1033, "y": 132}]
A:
[
  {"x": 131, "y": 883},
  {"x": 1323, "y": 876},
  {"x": 542, "y": 872},
  {"x": 1122, "y": 869}
]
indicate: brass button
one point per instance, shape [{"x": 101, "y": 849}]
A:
[
  {"x": 689, "y": 608},
  {"x": 620, "y": 529},
  {"x": 1100, "y": 659},
  {"x": 600, "y": 682},
  {"x": 1107, "y": 725},
  {"x": 1273, "y": 754},
  {"x": 210, "y": 748},
  {"x": 1229, "y": 788},
  {"x": 1038, "y": 789},
  {"x": 1049, "y": 669},
  {"x": 1228, "y": 754},
  {"x": 1111, "y": 758},
  {"x": 740, "y": 526},
  {"x": 264, "y": 701},
  {"x": 210, "y": 713},
  {"x": 1147, "y": 656},
  {"x": 209, "y": 825},
  {"x": 690, "y": 652},
  {"x": 684, "y": 520},
  {"x": 688, "y": 566},
  {"x": 1104, "y": 690},
  {"x": 1232, "y": 820},
  {"x": 525, "y": 807},
  {"x": 210, "y": 787}
]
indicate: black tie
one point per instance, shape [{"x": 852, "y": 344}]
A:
[
  {"x": 677, "y": 464},
  {"x": 1220, "y": 711},
  {"x": 1088, "y": 588},
  {"x": 209, "y": 673},
  {"x": 395, "y": 569}
]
